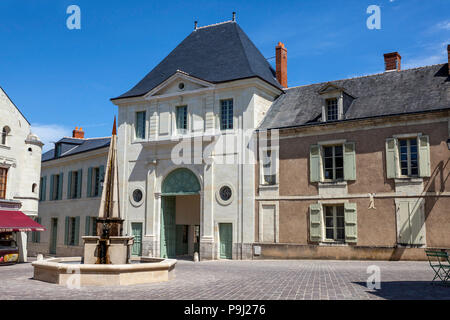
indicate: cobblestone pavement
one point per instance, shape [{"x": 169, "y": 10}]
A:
[{"x": 254, "y": 280}]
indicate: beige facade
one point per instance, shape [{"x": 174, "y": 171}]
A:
[{"x": 380, "y": 224}]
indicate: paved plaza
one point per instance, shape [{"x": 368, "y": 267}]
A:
[{"x": 254, "y": 280}]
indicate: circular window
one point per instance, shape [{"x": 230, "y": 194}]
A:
[
  {"x": 181, "y": 86},
  {"x": 137, "y": 197},
  {"x": 225, "y": 194}
]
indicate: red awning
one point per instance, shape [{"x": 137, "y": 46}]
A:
[{"x": 17, "y": 221}]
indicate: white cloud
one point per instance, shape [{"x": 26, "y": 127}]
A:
[
  {"x": 444, "y": 25},
  {"x": 49, "y": 133}
]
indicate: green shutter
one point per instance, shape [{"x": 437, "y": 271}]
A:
[
  {"x": 315, "y": 222},
  {"x": 43, "y": 188},
  {"x": 403, "y": 226},
  {"x": 87, "y": 226},
  {"x": 349, "y": 161},
  {"x": 61, "y": 180},
  {"x": 391, "y": 158},
  {"x": 424, "y": 156},
  {"x": 79, "y": 183},
  {"x": 37, "y": 233},
  {"x": 89, "y": 183},
  {"x": 69, "y": 185},
  {"x": 77, "y": 231},
  {"x": 52, "y": 196},
  {"x": 66, "y": 234},
  {"x": 101, "y": 177},
  {"x": 351, "y": 224},
  {"x": 314, "y": 163}
]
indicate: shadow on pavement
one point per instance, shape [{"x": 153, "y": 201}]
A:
[{"x": 410, "y": 290}]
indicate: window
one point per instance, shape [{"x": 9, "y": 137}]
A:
[
  {"x": 95, "y": 181},
  {"x": 35, "y": 235},
  {"x": 34, "y": 187},
  {"x": 57, "y": 150},
  {"x": 334, "y": 223},
  {"x": 269, "y": 167},
  {"x": 56, "y": 187},
  {"x": 3, "y": 180},
  {"x": 5, "y": 132},
  {"x": 225, "y": 193},
  {"x": 140, "y": 125},
  {"x": 42, "y": 188},
  {"x": 226, "y": 114},
  {"x": 409, "y": 165},
  {"x": 74, "y": 184},
  {"x": 333, "y": 164},
  {"x": 94, "y": 226},
  {"x": 332, "y": 109},
  {"x": 181, "y": 117},
  {"x": 72, "y": 229}
]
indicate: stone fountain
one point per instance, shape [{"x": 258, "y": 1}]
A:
[{"x": 107, "y": 259}]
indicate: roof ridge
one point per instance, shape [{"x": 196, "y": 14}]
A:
[
  {"x": 214, "y": 24},
  {"x": 366, "y": 76}
]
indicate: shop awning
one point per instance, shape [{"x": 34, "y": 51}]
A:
[{"x": 17, "y": 221}]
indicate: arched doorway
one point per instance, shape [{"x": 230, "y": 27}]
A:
[{"x": 180, "y": 214}]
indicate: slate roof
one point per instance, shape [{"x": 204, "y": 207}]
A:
[
  {"x": 216, "y": 53},
  {"x": 72, "y": 146},
  {"x": 389, "y": 93}
]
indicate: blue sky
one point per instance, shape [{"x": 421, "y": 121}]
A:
[{"x": 61, "y": 78}]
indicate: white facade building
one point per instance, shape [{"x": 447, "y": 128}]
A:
[
  {"x": 20, "y": 165},
  {"x": 187, "y": 184}
]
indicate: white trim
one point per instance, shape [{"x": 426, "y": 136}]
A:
[
  {"x": 132, "y": 201},
  {"x": 219, "y": 199}
]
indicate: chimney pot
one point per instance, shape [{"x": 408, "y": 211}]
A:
[
  {"x": 281, "y": 64},
  {"x": 78, "y": 133},
  {"x": 392, "y": 61}
]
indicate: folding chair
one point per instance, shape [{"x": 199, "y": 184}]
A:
[{"x": 440, "y": 263}]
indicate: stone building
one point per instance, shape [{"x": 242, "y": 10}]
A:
[
  {"x": 201, "y": 100},
  {"x": 360, "y": 169},
  {"x": 69, "y": 198},
  {"x": 20, "y": 160}
]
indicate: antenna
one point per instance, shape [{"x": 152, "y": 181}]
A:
[{"x": 234, "y": 16}]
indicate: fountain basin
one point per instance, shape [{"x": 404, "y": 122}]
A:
[{"x": 69, "y": 271}]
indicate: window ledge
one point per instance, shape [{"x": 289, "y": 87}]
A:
[
  {"x": 409, "y": 180},
  {"x": 268, "y": 186},
  {"x": 333, "y": 244},
  {"x": 333, "y": 183},
  {"x": 5, "y": 147}
]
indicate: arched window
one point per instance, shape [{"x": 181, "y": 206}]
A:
[
  {"x": 5, "y": 133},
  {"x": 34, "y": 187}
]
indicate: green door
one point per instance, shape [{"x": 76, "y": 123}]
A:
[
  {"x": 168, "y": 229},
  {"x": 53, "y": 236},
  {"x": 182, "y": 239},
  {"x": 136, "y": 232},
  {"x": 226, "y": 240}
]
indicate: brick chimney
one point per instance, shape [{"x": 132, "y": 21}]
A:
[
  {"x": 78, "y": 133},
  {"x": 392, "y": 61},
  {"x": 281, "y": 64}
]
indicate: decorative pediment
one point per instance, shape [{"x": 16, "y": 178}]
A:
[{"x": 180, "y": 83}]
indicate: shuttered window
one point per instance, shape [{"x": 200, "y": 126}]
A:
[
  {"x": 72, "y": 231},
  {"x": 95, "y": 181},
  {"x": 269, "y": 167},
  {"x": 56, "y": 183},
  {"x": 329, "y": 163},
  {"x": 43, "y": 188},
  {"x": 408, "y": 157}
]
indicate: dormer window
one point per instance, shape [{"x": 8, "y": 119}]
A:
[
  {"x": 57, "y": 150},
  {"x": 332, "y": 109}
]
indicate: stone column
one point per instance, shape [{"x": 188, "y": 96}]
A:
[
  {"x": 21, "y": 238},
  {"x": 156, "y": 225}
]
